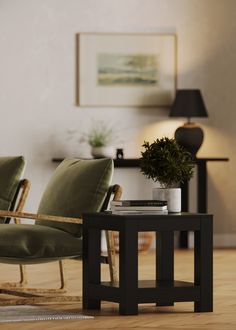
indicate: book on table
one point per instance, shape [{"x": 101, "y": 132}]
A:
[
  {"x": 138, "y": 207},
  {"x": 138, "y": 202},
  {"x": 120, "y": 212}
]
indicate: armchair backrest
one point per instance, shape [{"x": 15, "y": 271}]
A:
[
  {"x": 11, "y": 170},
  {"x": 76, "y": 186}
]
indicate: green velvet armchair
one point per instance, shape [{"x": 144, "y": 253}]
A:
[
  {"x": 13, "y": 193},
  {"x": 77, "y": 186}
]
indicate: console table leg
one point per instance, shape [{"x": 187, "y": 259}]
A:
[
  {"x": 183, "y": 235},
  {"x": 203, "y": 266},
  {"x": 165, "y": 260},
  {"x": 91, "y": 265},
  {"x": 202, "y": 187},
  {"x": 128, "y": 267}
]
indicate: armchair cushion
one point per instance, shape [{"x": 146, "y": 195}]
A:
[
  {"x": 76, "y": 186},
  {"x": 29, "y": 244},
  {"x": 11, "y": 169}
]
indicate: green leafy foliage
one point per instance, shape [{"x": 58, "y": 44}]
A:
[{"x": 167, "y": 162}]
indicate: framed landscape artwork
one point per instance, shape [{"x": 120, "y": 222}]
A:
[{"x": 126, "y": 69}]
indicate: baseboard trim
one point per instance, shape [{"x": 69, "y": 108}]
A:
[
  {"x": 219, "y": 240},
  {"x": 224, "y": 240}
]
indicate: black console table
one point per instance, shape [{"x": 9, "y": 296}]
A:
[
  {"x": 201, "y": 164},
  {"x": 164, "y": 290}
]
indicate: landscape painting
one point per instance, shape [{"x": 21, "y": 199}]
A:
[
  {"x": 130, "y": 69},
  {"x": 126, "y": 69}
]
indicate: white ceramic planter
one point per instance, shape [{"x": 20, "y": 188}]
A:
[
  {"x": 103, "y": 152},
  {"x": 171, "y": 195}
]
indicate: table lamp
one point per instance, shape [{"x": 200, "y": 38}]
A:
[{"x": 189, "y": 103}]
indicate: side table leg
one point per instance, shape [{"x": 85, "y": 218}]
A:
[
  {"x": 91, "y": 265},
  {"x": 165, "y": 261},
  {"x": 128, "y": 266},
  {"x": 203, "y": 265}
]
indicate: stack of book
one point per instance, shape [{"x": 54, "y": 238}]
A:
[{"x": 146, "y": 206}]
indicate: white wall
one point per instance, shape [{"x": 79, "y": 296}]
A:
[{"x": 37, "y": 86}]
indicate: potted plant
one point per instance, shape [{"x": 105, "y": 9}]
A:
[
  {"x": 99, "y": 139},
  {"x": 170, "y": 164}
]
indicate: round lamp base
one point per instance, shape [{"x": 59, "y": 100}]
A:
[{"x": 190, "y": 137}]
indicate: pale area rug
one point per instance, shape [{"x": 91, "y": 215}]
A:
[{"x": 10, "y": 314}]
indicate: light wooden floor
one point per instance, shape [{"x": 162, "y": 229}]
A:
[{"x": 180, "y": 316}]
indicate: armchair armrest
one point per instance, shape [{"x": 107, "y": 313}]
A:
[{"x": 41, "y": 217}]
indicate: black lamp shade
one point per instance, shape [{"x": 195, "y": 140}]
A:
[{"x": 188, "y": 103}]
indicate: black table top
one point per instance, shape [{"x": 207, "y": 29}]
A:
[
  {"x": 143, "y": 222},
  {"x": 135, "y": 162}
]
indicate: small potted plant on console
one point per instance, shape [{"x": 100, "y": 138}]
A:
[{"x": 99, "y": 139}]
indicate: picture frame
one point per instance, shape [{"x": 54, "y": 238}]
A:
[{"x": 137, "y": 70}]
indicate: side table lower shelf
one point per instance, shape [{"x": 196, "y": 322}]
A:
[{"x": 148, "y": 291}]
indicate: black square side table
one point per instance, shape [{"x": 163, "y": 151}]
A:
[{"x": 164, "y": 290}]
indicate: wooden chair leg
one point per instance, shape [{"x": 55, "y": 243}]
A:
[
  {"x": 23, "y": 275},
  {"x": 111, "y": 256},
  {"x": 62, "y": 275},
  {"x": 110, "y": 240}
]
